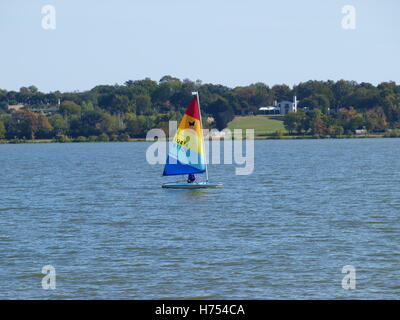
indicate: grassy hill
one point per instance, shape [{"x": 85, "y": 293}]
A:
[{"x": 263, "y": 125}]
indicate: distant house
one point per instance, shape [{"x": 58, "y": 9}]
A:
[
  {"x": 287, "y": 106},
  {"x": 281, "y": 107},
  {"x": 269, "y": 110},
  {"x": 215, "y": 134},
  {"x": 45, "y": 111},
  {"x": 15, "y": 107},
  {"x": 361, "y": 132}
]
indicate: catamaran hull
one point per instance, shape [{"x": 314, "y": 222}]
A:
[{"x": 185, "y": 185}]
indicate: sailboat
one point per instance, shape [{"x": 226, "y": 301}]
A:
[{"x": 186, "y": 151}]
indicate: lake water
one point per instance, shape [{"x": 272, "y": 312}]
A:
[{"x": 96, "y": 212}]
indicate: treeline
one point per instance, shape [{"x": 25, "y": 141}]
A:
[
  {"x": 345, "y": 122},
  {"x": 120, "y": 112},
  {"x": 337, "y": 108}
]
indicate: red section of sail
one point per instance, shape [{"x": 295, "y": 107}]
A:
[{"x": 193, "y": 109}]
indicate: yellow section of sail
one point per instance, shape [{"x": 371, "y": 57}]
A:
[{"x": 189, "y": 134}]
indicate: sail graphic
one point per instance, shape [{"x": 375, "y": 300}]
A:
[{"x": 186, "y": 152}]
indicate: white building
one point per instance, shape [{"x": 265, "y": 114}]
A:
[
  {"x": 282, "y": 107},
  {"x": 269, "y": 110},
  {"x": 288, "y": 106}
]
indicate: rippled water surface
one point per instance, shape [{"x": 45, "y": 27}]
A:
[{"x": 96, "y": 212}]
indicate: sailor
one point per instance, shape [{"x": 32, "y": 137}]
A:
[{"x": 191, "y": 178}]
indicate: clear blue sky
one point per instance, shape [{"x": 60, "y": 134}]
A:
[{"x": 229, "y": 42}]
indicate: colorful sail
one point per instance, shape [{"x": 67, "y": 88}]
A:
[{"x": 186, "y": 154}]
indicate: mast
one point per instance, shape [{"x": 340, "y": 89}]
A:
[{"x": 202, "y": 138}]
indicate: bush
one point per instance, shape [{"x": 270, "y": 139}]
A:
[
  {"x": 81, "y": 139},
  {"x": 123, "y": 137},
  {"x": 16, "y": 140},
  {"x": 62, "y": 138},
  {"x": 278, "y": 134},
  {"x": 392, "y": 133},
  {"x": 103, "y": 138},
  {"x": 114, "y": 137},
  {"x": 337, "y": 131},
  {"x": 2, "y": 130},
  {"x": 92, "y": 139}
]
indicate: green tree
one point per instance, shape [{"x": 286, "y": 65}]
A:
[
  {"x": 69, "y": 108},
  {"x": 87, "y": 125},
  {"x": 391, "y": 104},
  {"x": 142, "y": 87},
  {"x": 103, "y": 138},
  {"x": 114, "y": 103},
  {"x": 138, "y": 126},
  {"x": 26, "y": 124},
  {"x": 248, "y": 99},
  {"x": 290, "y": 122},
  {"x": 108, "y": 124},
  {"x": 169, "y": 78},
  {"x": 375, "y": 119},
  {"x": 143, "y": 105},
  {"x": 295, "y": 121},
  {"x": 3, "y": 101},
  {"x": 163, "y": 93},
  {"x": 44, "y": 127},
  {"x": 315, "y": 122},
  {"x": 335, "y": 130},
  {"x": 281, "y": 92},
  {"x": 59, "y": 124},
  {"x": 315, "y": 101},
  {"x": 342, "y": 90},
  {"x": 350, "y": 119},
  {"x": 33, "y": 89},
  {"x": 2, "y": 130},
  {"x": 306, "y": 89},
  {"x": 222, "y": 113}
]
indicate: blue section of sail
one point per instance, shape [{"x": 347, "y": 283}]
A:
[
  {"x": 175, "y": 167},
  {"x": 186, "y": 156}
]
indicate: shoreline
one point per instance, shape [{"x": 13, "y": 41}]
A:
[{"x": 37, "y": 141}]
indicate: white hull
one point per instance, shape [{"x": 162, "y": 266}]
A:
[{"x": 195, "y": 185}]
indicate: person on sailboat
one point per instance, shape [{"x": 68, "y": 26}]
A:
[{"x": 191, "y": 178}]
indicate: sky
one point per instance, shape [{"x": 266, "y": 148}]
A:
[{"x": 217, "y": 41}]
